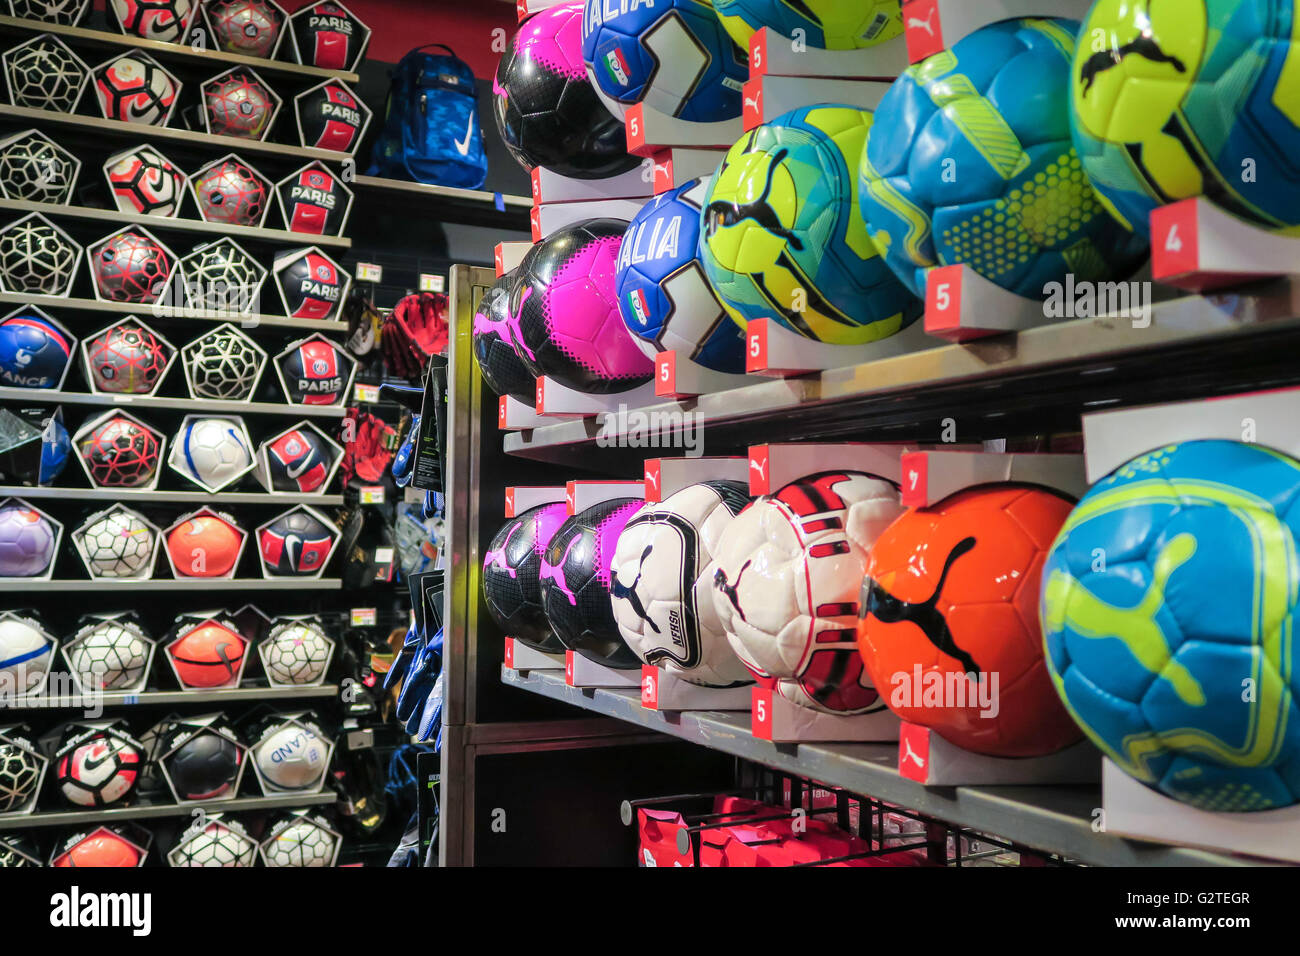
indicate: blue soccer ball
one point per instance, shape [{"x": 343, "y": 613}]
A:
[
  {"x": 33, "y": 352},
  {"x": 970, "y": 161},
  {"x": 1168, "y": 610},
  {"x": 664, "y": 298},
  {"x": 56, "y": 446},
  {"x": 673, "y": 55}
]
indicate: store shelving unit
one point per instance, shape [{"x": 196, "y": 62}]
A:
[
  {"x": 154, "y": 811},
  {"x": 165, "y": 313},
  {"x": 470, "y": 206},
  {"x": 174, "y": 404},
  {"x": 228, "y": 585},
  {"x": 146, "y": 698},
  {"x": 132, "y": 495}
]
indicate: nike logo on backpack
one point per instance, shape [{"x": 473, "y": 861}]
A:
[{"x": 463, "y": 148}]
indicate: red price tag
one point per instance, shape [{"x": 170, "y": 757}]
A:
[
  {"x": 635, "y": 121},
  {"x": 761, "y": 713},
  {"x": 666, "y": 373},
  {"x": 510, "y": 649},
  {"x": 753, "y": 113},
  {"x": 758, "y": 53},
  {"x": 501, "y": 412},
  {"x": 663, "y": 162},
  {"x": 649, "y": 687},
  {"x": 500, "y": 261},
  {"x": 916, "y": 478},
  {"x": 568, "y": 667},
  {"x": 924, "y": 34},
  {"x": 570, "y": 493},
  {"x": 652, "y": 494},
  {"x": 756, "y": 345},
  {"x": 521, "y": 8},
  {"x": 536, "y": 177},
  {"x": 943, "y": 300},
  {"x": 510, "y": 502},
  {"x": 1175, "y": 240},
  {"x": 540, "y": 405},
  {"x": 535, "y": 221},
  {"x": 914, "y": 752},
  {"x": 759, "y": 482}
]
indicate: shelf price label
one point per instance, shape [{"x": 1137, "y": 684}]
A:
[
  {"x": 666, "y": 373},
  {"x": 916, "y": 479},
  {"x": 365, "y": 393},
  {"x": 649, "y": 687},
  {"x": 943, "y": 299},
  {"x": 362, "y": 617},
  {"x": 510, "y": 653},
  {"x": 761, "y": 713},
  {"x": 369, "y": 272},
  {"x": 1175, "y": 243},
  {"x": 372, "y": 495},
  {"x": 432, "y": 283}
]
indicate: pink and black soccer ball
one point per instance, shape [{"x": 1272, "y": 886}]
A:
[
  {"x": 546, "y": 109},
  {"x": 502, "y": 368},
  {"x": 566, "y": 309},
  {"x": 296, "y": 543},
  {"x": 26, "y": 542},
  {"x": 33, "y": 352},
  {"x": 576, "y": 577},
  {"x": 511, "y": 586}
]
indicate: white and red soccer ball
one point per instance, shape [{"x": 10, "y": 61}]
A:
[{"x": 135, "y": 88}]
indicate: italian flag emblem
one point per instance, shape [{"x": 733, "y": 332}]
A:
[
  {"x": 616, "y": 67},
  {"x": 640, "y": 307}
]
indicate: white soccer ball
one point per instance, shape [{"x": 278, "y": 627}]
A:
[
  {"x": 789, "y": 573},
  {"x": 143, "y": 180},
  {"x": 296, "y": 652},
  {"x": 292, "y": 758},
  {"x": 120, "y": 544},
  {"x": 300, "y": 844},
  {"x": 111, "y": 656},
  {"x": 24, "y": 657},
  {"x": 214, "y": 845},
  {"x": 212, "y": 452},
  {"x": 662, "y": 587}
]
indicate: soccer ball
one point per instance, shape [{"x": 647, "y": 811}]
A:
[
  {"x": 577, "y": 578},
  {"x": 126, "y": 358},
  {"x": 212, "y": 452},
  {"x": 143, "y": 180},
  {"x": 112, "y": 655},
  {"x": 295, "y": 543},
  {"x": 232, "y": 192},
  {"x": 130, "y": 266},
  {"x": 215, "y": 845},
  {"x": 37, "y": 256},
  {"x": 314, "y": 200},
  {"x": 209, "y": 654},
  {"x": 311, "y": 284},
  {"x": 1181, "y": 100},
  {"x": 296, "y": 652},
  {"x": 24, "y": 656},
  {"x": 27, "y": 541},
  {"x": 969, "y": 161},
  {"x": 134, "y": 88},
  {"x": 824, "y": 24},
  {"x": 951, "y": 598},
  {"x": 663, "y": 295},
  {"x": 327, "y": 35},
  {"x": 204, "y": 765},
  {"x": 675, "y": 57},
  {"x": 301, "y": 843},
  {"x": 65, "y": 12},
  {"x": 511, "y": 587},
  {"x": 238, "y": 103},
  {"x": 209, "y": 537},
  {"x": 100, "y": 771},
  {"x": 35, "y": 168},
  {"x": 120, "y": 453},
  {"x": 1154, "y": 649},
  {"x": 20, "y": 771},
  {"x": 223, "y": 364},
  {"x": 99, "y": 848},
  {"x": 502, "y": 368},
  {"x": 154, "y": 19},
  {"x": 300, "y": 459},
  {"x": 783, "y": 240},
  {"x": 567, "y": 314},
  {"x": 221, "y": 277},
  {"x": 663, "y": 583},
  {"x": 117, "y": 543},
  {"x": 786, "y": 588},
  {"x": 33, "y": 351},
  {"x": 330, "y": 116},
  {"x": 546, "y": 109},
  {"x": 291, "y": 756},
  {"x": 314, "y": 371},
  {"x": 250, "y": 27},
  {"x": 45, "y": 75}
]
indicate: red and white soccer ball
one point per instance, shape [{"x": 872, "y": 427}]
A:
[
  {"x": 232, "y": 192},
  {"x": 134, "y": 88},
  {"x": 787, "y": 586},
  {"x": 248, "y": 27},
  {"x": 154, "y": 19},
  {"x": 143, "y": 180},
  {"x": 239, "y": 104},
  {"x": 130, "y": 266}
]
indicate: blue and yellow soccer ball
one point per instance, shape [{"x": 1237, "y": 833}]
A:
[
  {"x": 1168, "y": 609},
  {"x": 1179, "y": 98},
  {"x": 673, "y": 56},
  {"x": 781, "y": 237},
  {"x": 825, "y": 24},
  {"x": 970, "y": 161}
]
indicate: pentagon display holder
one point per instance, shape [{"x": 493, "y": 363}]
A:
[
  {"x": 519, "y": 656},
  {"x": 1197, "y": 246}
]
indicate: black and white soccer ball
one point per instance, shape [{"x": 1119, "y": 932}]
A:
[
  {"x": 215, "y": 845},
  {"x": 222, "y": 277},
  {"x": 296, "y": 652},
  {"x": 37, "y": 257},
  {"x": 662, "y": 583},
  {"x": 224, "y": 364},
  {"x": 68, "y": 13},
  {"x": 44, "y": 74},
  {"x": 112, "y": 655},
  {"x": 118, "y": 544},
  {"x": 135, "y": 88},
  {"x": 16, "y": 850},
  {"x": 302, "y": 843},
  {"x": 20, "y": 772},
  {"x": 35, "y": 168}
]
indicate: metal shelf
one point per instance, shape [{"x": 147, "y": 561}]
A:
[
  {"x": 1194, "y": 347},
  {"x": 1055, "y": 819},
  {"x": 67, "y": 818},
  {"x": 218, "y": 59},
  {"x": 236, "y": 695},
  {"x": 109, "y": 495},
  {"x": 474, "y": 206},
  {"x": 44, "y": 395},
  {"x": 28, "y": 585},
  {"x": 97, "y": 127},
  {"x": 175, "y": 224},
  {"x": 145, "y": 311}
]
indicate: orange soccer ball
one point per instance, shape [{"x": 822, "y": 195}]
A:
[{"x": 952, "y": 591}]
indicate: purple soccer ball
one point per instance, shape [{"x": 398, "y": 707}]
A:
[
  {"x": 503, "y": 369},
  {"x": 26, "y": 542},
  {"x": 511, "y": 586},
  {"x": 576, "y": 577},
  {"x": 565, "y": 306}
]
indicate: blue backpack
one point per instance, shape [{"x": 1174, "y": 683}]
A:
[{"x": 431, "y": 128}]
